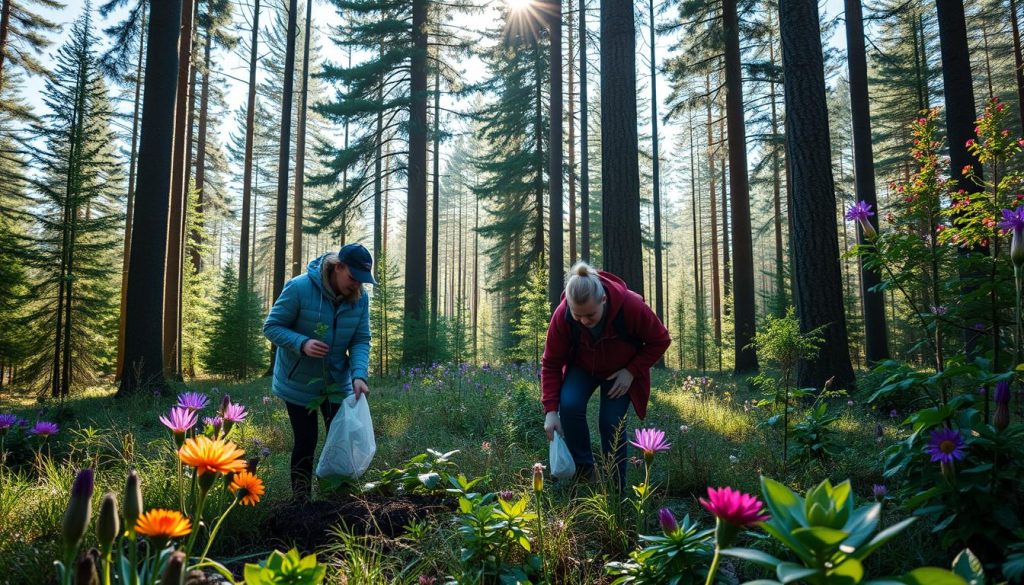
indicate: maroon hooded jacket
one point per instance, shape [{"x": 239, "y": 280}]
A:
[{"x": 607, "y": 354}]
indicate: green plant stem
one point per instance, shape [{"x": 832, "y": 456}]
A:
[
  {"x": 133, "y": 546},
  {"x": 714, "y": 566},
  {"x": 106, "y": 567},
  {"x": 540, "y": 537},
  {"x": 216, "y": 528},
  {"x": 196, "y": 520}
]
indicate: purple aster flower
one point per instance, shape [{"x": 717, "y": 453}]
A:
[
  {"x": 180, "y": 420},
  {"x": 939, "y": 310},
  {"x": 650, "y": 441},
  {"x": 7, "y": 421},
  {"x": 668, "y": 522},
  {"x": 1003, "y": 392},
  {"x": 193, "y": 400},
  {"x": 44, "y": 429},
  {"x": 946, "y": 445},
  {"x": 1013, "y": 220},
  {"x": 213, "y": 421},
  {"x": 879, "y": 491},
  {"x": 860, "y": 212},
  {"x": 234, "y": 412}
]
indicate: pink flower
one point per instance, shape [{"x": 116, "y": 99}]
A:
[
  {"x": 650, "y": 441},
  {"x": 734, "y": 507},
  {"x": 234, "y": 413},
  {"x": 180, "y": 420},
  {"x": 44, "y": 429},
  {"x": 193, "y": 400}
]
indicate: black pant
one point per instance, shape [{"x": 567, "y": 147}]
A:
[{"x": 304, "y": 429}]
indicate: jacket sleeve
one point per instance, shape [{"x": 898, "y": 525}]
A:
[
  {"x": 283, "y": 316},
  {"x": 556, "y": 355},
  {"x": 359, "y": 348},
  {"x": 652, "y": 332}
]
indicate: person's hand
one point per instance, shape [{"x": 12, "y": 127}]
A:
[
  {"x": 359, "y": 388},
  {"x": 551, "y": 424},
  {"x": 621, "y": 381},
  {"x": 315, "y": 348}
]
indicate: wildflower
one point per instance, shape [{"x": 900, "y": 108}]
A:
[
  {"x": 668, "y": 522},
  {"x": 849, "y": 403},
  {"x": 538, "y": 477},
  {"x": 174, "y": 571},
  {"x": 212, "y": 455},
  {"x": 860, "y": 212},
  {"x": 162, "y": 525},
  {"x": 879, "y": 491},
  {"x": 231, "y": 414},
  {"x": 44, "y": 429},
  {"x": 650, "y": 441},
  {"x": 893, "y": 413},
  {"x": 180, "y": 421},
  {"x": 1013, "y": 220},
  {"x": 247, "y": 488},
  {"x": 427, "y": 580},
  {"x": 78, "y": 513},
  {"x": 214, "y": 421},
  {"x": 506, "y": 495},
  {"x": 938, "y": 310},
  {"x": 684, "y": 428},
  {"x": 733, "y": 510},
  {"x": 946, "y": 446},
  {"x": 7, "y": 421},
  {"x": 193, "y": 400},
  {"x": 485, "y": 447},
  {"x": 969, "y": 143},
  {"x": 1001, "y": 417}
]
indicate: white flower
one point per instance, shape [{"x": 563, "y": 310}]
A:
[
  {"x": 734, "y": 459},
  {"x": 684, "y": 428}
]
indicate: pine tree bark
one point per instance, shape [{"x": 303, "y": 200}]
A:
[
  {"x": 300, "y": 148},
  {"x": 143, "y": 327},
  {"x": 620, "y": 168},
  {"x": 958, "y": 89},
  {"x": 130, "y": 204},
  {"x": 5, "y": 28},
  {"x": 1018, "y": 60},
  {"x": 742, "y": 240},
  {"x": 556, "y": 251},
  {"x": 876, "y": 343},
  {"x": 584, "y": 140},
  {"x": 204, "y": 103},
  {"x": 416, "y": 224},
  {"x": 716, "y": 287},
  {"x": 659, "y": 306},
  {"x": 814, "y": 240},
  {"x": 178, "y": 197},
  {"x": 571, "y": 153},
  {"x": 250, "y": 124},
  {"x": 435, "y": 212},
  {"x": 284, "y": 156}
]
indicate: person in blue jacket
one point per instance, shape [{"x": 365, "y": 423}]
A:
[{"x": 320, "y": 323}]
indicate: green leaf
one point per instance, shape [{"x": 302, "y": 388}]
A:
[
  {"x": 783, "y": 503},
  {"x": 820, "y": 538},
  {"x": 752, "y": 555},
  {"x": 849, "y": 572},
  {"x": 969, "y": 567},
  {"x": 789, "y": 572},
  {"x": 882, "y": 537},
  {"x": 933, "y": 576}
]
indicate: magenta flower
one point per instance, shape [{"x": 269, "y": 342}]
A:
[
  {"x": 860, "y": 212},
  {"x": 1013, "y": 220},
  {"x": 181, "y": 419},
  {"x": 234, "y": 413},
  {"x": 213, "y": 421},
  {"x": 44, "y": 429},
  {"x": 946, "y": 445},
  {"x": 734, "y": 507},
  {"x": 7, "y": 421},
  {"x": 650, "y": 441},
  {"x": 192, "y": 400},
  {"x": 668, "y": 522}
]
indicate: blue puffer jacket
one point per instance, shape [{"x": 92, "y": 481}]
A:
[{"x": 293, "y": 320}]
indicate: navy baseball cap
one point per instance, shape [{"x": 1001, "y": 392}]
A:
[{"x": 359, "y": 262}]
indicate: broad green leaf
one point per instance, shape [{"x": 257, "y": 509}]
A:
[
  {"x": 969, "y": 567},
  {"x": 933, "y": 576},
  {"x": 850, "y": 572},
  {"x": 820, "y": 538},
  {"x": 791, "y": 572},
  {"x": 753, "y": 555},
  {"x": 782, "y": 502},
  {"x": 882, "y": 537}
]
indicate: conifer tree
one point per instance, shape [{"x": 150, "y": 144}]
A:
[
  {"x": 236, "y": 347},
  {"x": 24, "y": 34}
]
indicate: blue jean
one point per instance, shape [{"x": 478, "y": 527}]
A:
[{"x": 577, "y": 388}]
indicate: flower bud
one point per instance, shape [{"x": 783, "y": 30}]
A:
[
  {"x": 108, "y": 524},
  {"x": 1017, "y": 248},
  {"x": 78, "y": 513},
  {"x": 879, "y": 491},
  {"x": 132, "y": 500},
  {"x": 538, "y": 477},
  {"x": 174, "y": 571},
  {"x": 1001, "y": 417},
  {"x": 668, "y": 522},
  {"x": 85, "y": 570}
]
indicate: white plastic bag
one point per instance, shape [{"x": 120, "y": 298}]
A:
[
  {"x": 350, "y": 444},
  {"x": 561, "y": 464}
]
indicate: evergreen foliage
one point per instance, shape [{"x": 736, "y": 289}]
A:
[{"x": 236, "y": 347}]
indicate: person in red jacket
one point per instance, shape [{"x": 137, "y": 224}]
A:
[{"x": 601, "y": 335}]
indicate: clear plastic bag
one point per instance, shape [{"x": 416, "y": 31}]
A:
[
  {"x": 350, "y": 444},
  {"x": 560, "y": 460}
]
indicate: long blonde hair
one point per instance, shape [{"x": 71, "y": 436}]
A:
[{"x": 582, "y": 284}]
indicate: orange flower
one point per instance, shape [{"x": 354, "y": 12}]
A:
[
  {"x": 247, "y": 487},
  {"x": 215, "y": 456},
  {"x": 163, "y": 524}
]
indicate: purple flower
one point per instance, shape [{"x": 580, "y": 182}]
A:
[
  {"x": 879, "y": 491},
  {"x": 180, "y": 420},
  {"x": 44, "y": 429},
  {"x": 650, "y": 441},
  {"x": 939, "y": 310},
  {"x": 893, "y": 413},
  {"x": 193, "y": 400},
  {"x": 506, "y": 495},
  {"x": 234, "y": 413},
  {"x": 668, "y": 522},
  {"x": 860, "y": 212},
  {"x": 1013, "y": 219},
  {"x": 946, "y": 445},
  {"x": 213, "y": 421},
  {"x": 7, "y": 421},
  {"x": 1003, "y": 392}
]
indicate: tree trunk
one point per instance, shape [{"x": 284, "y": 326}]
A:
[
  {"x": 816, "y": 272},
  {"x": 556, "y": 261},
  {"x": 204, "y": 103},
  {"x": 1018, "y": 61},
  {"x": 620, "y": 169},
  {"x": 130, "y": 205},
  {"x": 435, "y": 212},
  {"x": 659, "y": 306},
  {"x": 780, "y": 265},
  {"x": 716, "y": 287},
  {"x": 876, "y": 344},
  {"x": 143, "y": 327},
  {"x": 584, "y": 139},
  {"x": 538, "y": 159},
  {"x": 300, "y": 149},
  {"x": 959, "y": 90},
  {"x": 250, "y": 123},
  {"x": 178, "y": 195},
  {"x": 284, "y": 155},
  {"x": 571, "y": 70},
  {"x": 416, "y": 224}
]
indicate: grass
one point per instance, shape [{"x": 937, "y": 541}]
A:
[{"x": 492, "y": 416}]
